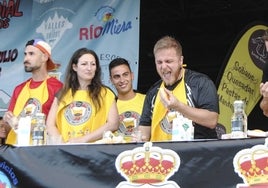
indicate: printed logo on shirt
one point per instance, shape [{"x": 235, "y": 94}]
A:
[
  {"x": 128, "y": 121},
  {"x": 31, "y": 107},
  {"x": 166, "y": 123},
  {"x": 78, "y": 112}
]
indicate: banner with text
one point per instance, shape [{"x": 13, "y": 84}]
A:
[
  {"x": 242, "y": 74},
  {"x": 110, "y": 28}
]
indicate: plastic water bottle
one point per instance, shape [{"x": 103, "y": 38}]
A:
[
  {"x": 239, "y": 120},
  {"x": 38, "y": 134},
  {"x": 24, "y": 131}
]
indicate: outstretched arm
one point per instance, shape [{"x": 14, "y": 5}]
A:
[{"x": 264, "y": 101}]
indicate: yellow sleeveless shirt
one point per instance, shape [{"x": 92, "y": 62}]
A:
[
  {"x": 28, "y": 102},
  {"x": 158, "y": 132},
  {"x": 77, "y": 116}
]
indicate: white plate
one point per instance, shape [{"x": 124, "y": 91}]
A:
[{"x": 257, "y": 133}]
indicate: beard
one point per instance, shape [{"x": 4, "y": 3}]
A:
[{"x": 30, "y": 69}]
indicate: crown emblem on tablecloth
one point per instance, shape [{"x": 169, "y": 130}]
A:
[
  {"x": 252, "y": 165},
  {"x": 147, "y": 164}
]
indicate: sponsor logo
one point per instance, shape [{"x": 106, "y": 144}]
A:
[
  {"x": 109, "y": 25},
  {"x": 5, "y": 172}
]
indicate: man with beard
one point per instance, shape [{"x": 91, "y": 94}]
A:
[
  {"x": 36, "y": 94},
  {"x": 186, "y": 95}
]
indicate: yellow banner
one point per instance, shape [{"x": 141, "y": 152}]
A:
[{"x": 242, "y": 74}]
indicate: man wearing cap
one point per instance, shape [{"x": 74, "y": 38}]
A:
[
  {"x": 264, "y": 83},
  {"x": 37, "y": 93}
]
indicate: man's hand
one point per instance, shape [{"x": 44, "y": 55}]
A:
[
  {"x": 168, "y": 99},
  {"x": 264, "y": 89},
  {"x": 11, "y": 120}
]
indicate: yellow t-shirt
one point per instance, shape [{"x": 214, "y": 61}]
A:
[
  {"x": 130, "y": 112},
  {"x": 76, "y": 115}
]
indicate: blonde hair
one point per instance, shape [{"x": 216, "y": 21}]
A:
[{"x": 168, "y": 42}]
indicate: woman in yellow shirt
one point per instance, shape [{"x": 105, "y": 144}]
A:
[{"x": 85, "y": 108}]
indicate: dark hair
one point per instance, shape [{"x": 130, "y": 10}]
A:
[
  {"x": 30, "y": 42},
  {"x": 71, "y": 80},
  {"x": 118, "y": 61}
]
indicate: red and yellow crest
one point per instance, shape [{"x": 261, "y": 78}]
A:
[
  {"x": 252, "y": 166},
  {"x": 148, "y": 165}
]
